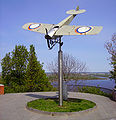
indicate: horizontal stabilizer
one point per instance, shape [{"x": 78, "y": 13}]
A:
[{"x": 75, "y": 12}]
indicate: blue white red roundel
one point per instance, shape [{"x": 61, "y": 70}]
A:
[
  {"x": 33, "y": 26},
  {"x": 83, "y": 29}
]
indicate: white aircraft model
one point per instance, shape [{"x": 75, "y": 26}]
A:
[{"x": 53, "y": 32}]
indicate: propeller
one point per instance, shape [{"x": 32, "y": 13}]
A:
[
  {"x": 46, "y": 31},
  {"x": 47, "y": 38}
]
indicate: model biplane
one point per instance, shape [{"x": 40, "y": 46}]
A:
[{"x": 55, "y": 31}]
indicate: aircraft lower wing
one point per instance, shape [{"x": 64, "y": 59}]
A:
[
  {"x": 79, "y": 30},
  {"x": 37, "y": 27}
]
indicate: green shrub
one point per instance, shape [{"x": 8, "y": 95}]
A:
[
  {"x": 16, "y": 89},
  {"x": 1, "y": 81},
  {"x": 93, "y": 90}
]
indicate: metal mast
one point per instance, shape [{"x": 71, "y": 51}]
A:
[{"x": 60, "y": 73}]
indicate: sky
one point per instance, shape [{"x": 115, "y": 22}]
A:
[{"x": 88, "y": 49}]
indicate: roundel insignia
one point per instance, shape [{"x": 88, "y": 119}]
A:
[
  {"x": 82, "y": 30},
  {"x": 33, "y": 26}
]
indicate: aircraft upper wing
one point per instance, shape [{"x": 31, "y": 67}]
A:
[
  {"x": 78, "y": 30},
  {"x": 37, "y": 27},
  {"x": 64, "y": 30}
]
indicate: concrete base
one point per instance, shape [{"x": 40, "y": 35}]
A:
[{"x": 12, "y": 107}]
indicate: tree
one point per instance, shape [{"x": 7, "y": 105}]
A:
[
  {"x": 21, "y": 71},
  {"x": 71, "y": 66},
  {"x": 35, "y": 75},
  {"x": 19, "y": 64},
  {"x": 6, "y": 68},
  {"x": 111, "y": 47},
  {"x": 14, "y": 66}
]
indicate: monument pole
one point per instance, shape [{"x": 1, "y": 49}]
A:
[{"x": 60, "y": 73}]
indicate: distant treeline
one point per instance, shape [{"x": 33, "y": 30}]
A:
[{"x": 79, "y": 76}]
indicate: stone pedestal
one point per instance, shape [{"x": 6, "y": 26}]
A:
[{"x": 65, "y": 91}]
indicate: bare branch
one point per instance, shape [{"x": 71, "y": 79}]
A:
[
  {"x": 111, "y": 46},
  {"x": 71, "y": 65}
]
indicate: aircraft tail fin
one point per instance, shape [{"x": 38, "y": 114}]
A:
[
  {"x": 75, "y": 12},
  {"x": 77, "y": 8}
]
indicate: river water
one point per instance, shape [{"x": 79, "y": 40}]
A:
[{"x": 107, "y": 83}]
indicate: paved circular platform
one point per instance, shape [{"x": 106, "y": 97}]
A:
[{"x": 12, "y": 107}]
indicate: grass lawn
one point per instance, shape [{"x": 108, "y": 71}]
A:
[{"x": 52, "y": 105}]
